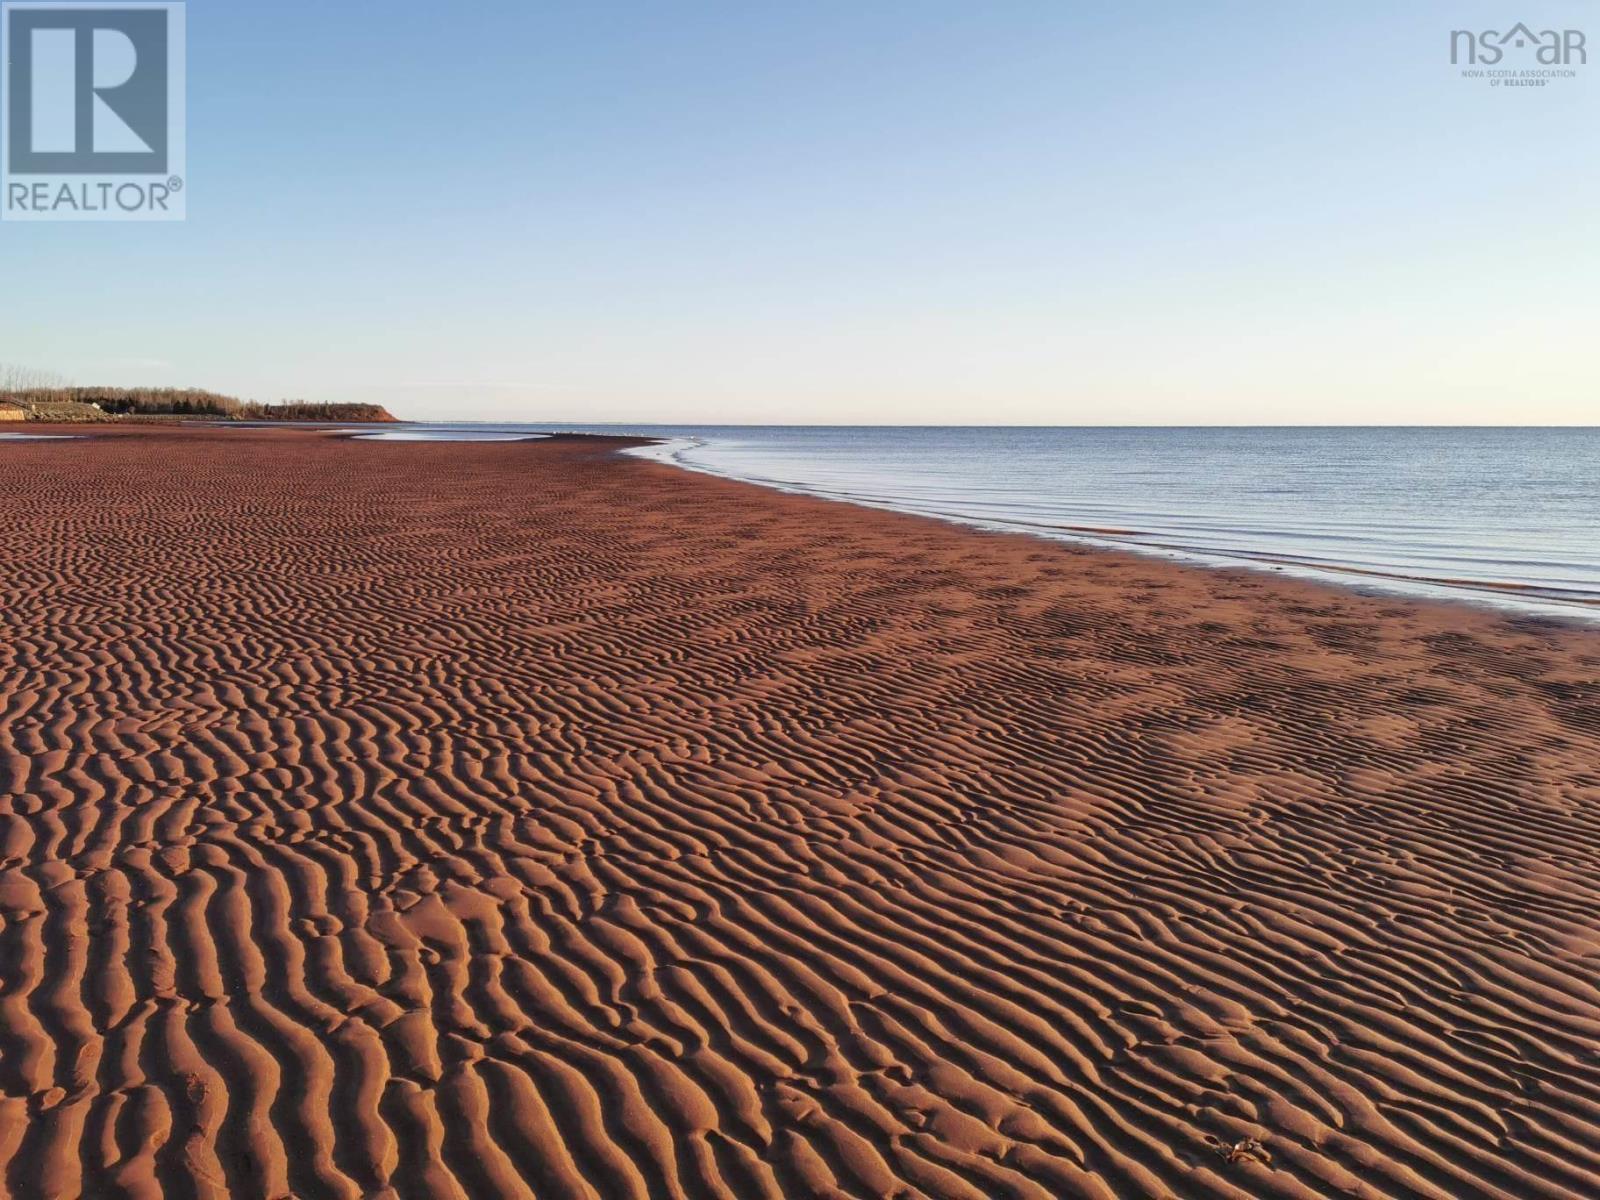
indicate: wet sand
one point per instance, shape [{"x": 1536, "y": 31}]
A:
[{"x": 524, "y": 820}]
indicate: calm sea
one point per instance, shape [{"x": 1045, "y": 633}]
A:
[{"x": 1503, "y": 516}]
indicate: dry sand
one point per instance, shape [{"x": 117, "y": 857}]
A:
[{"x": 521, "y": 820}]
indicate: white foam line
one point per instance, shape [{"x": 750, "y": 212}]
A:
[{"x": 672, "y": 450}]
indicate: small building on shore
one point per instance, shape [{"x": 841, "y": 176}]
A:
[{"x": 12, "y": 412}]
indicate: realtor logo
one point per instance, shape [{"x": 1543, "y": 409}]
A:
[{"x": 92, "y": 111}]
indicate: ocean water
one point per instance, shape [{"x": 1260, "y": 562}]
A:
[
  {"x": 422, "y": 433},
  {"x": 1508, "y": 517}
]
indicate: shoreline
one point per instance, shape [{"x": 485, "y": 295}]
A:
[
  {"x": 489, "y": 818},
  {"x": 1508, "y": 598},
  {"x": 1515, "y": 600},
  {"x": 1492, "y": 599}
]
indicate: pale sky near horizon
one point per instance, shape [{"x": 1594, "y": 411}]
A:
[{"x": 901, "y": 212}]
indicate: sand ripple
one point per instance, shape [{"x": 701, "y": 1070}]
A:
[{"x": 511, "y": 820}]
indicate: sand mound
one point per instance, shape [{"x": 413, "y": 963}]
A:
[{"x": 518, "y": 820}]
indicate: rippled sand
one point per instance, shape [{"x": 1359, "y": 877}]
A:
[{"x": 524, "y": 820}]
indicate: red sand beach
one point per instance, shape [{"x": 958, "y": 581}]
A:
[{"x": 479, "y": 820}]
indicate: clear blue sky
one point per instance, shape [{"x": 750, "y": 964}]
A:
[{"x": 895, "y": 211}]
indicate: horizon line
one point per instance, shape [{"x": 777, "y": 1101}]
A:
[{"x": 993, "y": 425}]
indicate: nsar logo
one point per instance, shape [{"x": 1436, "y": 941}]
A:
[{"x": 1551, "y": 47}]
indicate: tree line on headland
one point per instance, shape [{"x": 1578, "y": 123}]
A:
[{"x": 82, "y": 402}]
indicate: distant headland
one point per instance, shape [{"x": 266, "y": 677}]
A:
[{"x": 94, "y": 404}]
